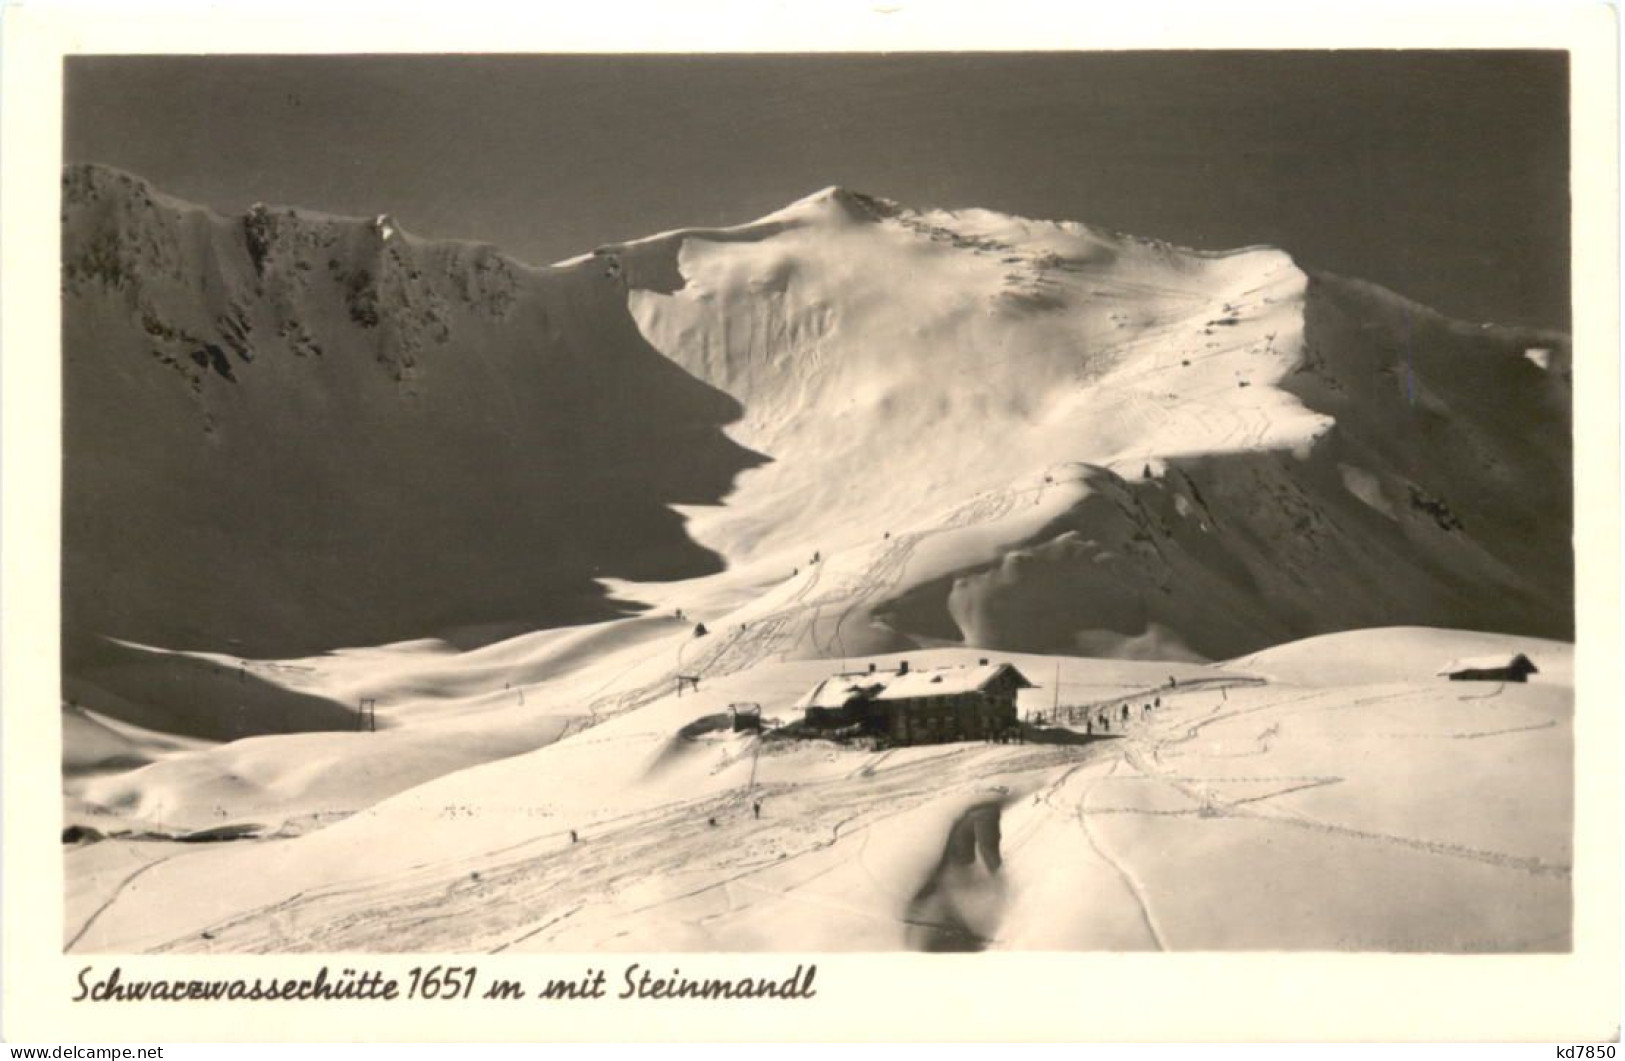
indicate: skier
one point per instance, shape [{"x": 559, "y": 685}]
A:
[{"x": 756, "y": 808}]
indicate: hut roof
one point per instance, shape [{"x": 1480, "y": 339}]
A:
[
  {"x": 834, "y": 692},
  {"x": 1500, "y": 661},
  {"x": 842, "y": 689},
  {"x": 948, "y": 681}
]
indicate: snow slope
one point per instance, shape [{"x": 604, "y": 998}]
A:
[{"x": 1386, "y": 814}]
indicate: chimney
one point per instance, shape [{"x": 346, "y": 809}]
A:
[{"x": 902, "y": 666}]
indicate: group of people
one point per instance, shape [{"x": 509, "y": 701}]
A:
[{"x": 1103, "y": 718}]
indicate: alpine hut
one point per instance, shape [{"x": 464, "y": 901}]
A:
[
  {"x": 1515, "y": 667},
  {"x": 745, "y": 718},
  {"x": 930, "y": 706}
]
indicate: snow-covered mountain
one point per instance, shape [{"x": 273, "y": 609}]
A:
[
  {"x": 313, "y": 462},
  {"x": 1248, "y": 452},
  {"x": 288, "y": 432}
]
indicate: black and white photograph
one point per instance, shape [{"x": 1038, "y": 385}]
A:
[{"x": 1068, "y": 501}]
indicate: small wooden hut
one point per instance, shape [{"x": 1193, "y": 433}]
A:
[{"x": 1514, "y": 667}]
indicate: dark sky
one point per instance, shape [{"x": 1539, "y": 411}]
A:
[{"x": 1443, "y": 175}]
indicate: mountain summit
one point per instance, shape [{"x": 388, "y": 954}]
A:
[{"x": 1196, "y": 453}]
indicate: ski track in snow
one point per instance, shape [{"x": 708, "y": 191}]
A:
[
  {"x": 110, "y": 900},
  {"x": 1135, "y": 750},
  {"x": 764, "y": 637},
  {"x": 442, "y": 906},
  {"x": 1135, "y": 889}
]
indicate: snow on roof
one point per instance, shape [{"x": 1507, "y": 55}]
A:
[
  {"x": 947, "y": 681},
  {"x": 832, "y": 693},
  {"x": 1501, "y": 661},
  {"x": 894, "y": 685}
]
